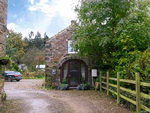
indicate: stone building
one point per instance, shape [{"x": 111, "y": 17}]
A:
[
  {"x": 62, "y": 62},
  {"x": 3, "y": 24}
]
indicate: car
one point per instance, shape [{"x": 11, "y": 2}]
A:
[{"x": 12, "y": 75}]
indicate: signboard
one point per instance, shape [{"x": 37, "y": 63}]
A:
[
  {"x": 53, "y": 71},
  {"x": 94, "y": 72}
]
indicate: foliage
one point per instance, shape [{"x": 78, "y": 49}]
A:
[
  {"x": 35, "y": 41},
  {"x": 6, "y": 57},
  {"x": 49, "y": 83},
  {"x": 97, "y": 79},
  {"x": 83, "y": 80},
  {"x": 84, "y": 86},
  {"x": 64, "y": 86},
  {"x": 33, "y": 57},
  {"x": 64, "y": 81},
  {"x": 15, "y": 45},
  {"x": 13, "y": 67},
  {"x": 110, "y": 32},
  {"x": 27, "y": 50},
  {"x": 116, "y": 33},
  {"x": 16, "y": 67},
  {"x": 5, "y": 96},
  {"x": 5, "y": 60},
  {"x": 33, "y": 75}
]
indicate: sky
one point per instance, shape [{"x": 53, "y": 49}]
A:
[{"x": 50, "y": 16}]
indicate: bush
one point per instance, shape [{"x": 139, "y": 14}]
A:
[
  {"x": 83, "y": 80},
  {"x": 32, "y": 75},
  {"x": 16, "y": 67},
  {"x": 64, "y": 86},
  {"x": 48, "y": 83},
  {"x": 64, "y": 81},
  {"x": 97, "y": 79},
  {"x": 83, "y": 86}
]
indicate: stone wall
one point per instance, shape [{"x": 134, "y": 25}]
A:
[
  {"x": 1, "y": 90},
  {"x": 57, "y": 53},
  {"x": 3, "y": 24},
  {"x": 56, "y": 48}
]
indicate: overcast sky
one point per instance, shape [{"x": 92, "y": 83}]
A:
[{"x": 50, "y": 16}]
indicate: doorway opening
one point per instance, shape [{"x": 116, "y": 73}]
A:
[{"x": 74, "y": 72}]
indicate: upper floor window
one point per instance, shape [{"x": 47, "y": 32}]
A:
[{"x": 70, "y": 47}]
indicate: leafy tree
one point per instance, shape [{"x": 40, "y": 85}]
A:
[
  {"x": 15, "y": 45},
  {"x": 38, "y": 60},
  {"x": 33, "y": 57},
  {"x": 35, "y": 40},
  {"x": 111, "y": 31},
  {"x": 45, "y": 38},
  {"x": 116, "y": 33},
  {"x": 35, "y": 50},
  {"x": 31, "y": 34}
]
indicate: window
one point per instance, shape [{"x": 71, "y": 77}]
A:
[
  {"x": 65, "y": 71},
  {"x": 70, "y": 48},
  {"x": 83, "y": 71}
]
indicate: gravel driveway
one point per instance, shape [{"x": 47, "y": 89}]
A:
[{"x": 26, "y": 97}]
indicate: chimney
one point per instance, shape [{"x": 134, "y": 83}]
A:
[{"x": 72, "y": 22}]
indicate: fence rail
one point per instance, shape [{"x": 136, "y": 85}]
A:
[{"x": 137, "y": 93}]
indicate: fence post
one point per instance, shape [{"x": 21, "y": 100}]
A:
[
  {"x": 138, "y": 103},
  {"x": 100, "y": 81},
  {"x": 118, "y": 88},
  {"x": 107, "y": 83}
]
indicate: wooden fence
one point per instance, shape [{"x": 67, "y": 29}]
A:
[
  {"x": 137, "y": 93},
  {"x": 1, "y": 89}
]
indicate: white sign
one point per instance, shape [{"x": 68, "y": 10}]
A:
[{"x": 94, "y": 72}]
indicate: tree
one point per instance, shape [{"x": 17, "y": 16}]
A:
[
  {"x": 35, "y": 40},
  {"x": 111, "y": 31},
  {"x": 45, "y": 37},
  {"x": 31, "y": 34},
  {"x": 38, "y": 60},
  {"x": 15, "y": 45},
  {"x": 33, "y": 57}
]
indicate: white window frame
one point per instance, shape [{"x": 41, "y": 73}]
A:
[{"x": 69, "y": 46}]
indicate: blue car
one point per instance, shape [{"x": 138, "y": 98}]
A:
[{"x": 12, "y": 75}]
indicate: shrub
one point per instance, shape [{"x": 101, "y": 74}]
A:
[
  {"x": 83, "y": 80},
  {"x": 64, "y": 86},
  {"x": 49, "y": 80},
  {"x": 64, "y": 81},
  {"x": 83, "y": 86},
  {"x": 31, "y": 75}
]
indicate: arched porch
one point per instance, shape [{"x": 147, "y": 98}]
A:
[{"x": 74, "y": 71}]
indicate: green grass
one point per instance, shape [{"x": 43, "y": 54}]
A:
[{"x": 35, "y": 78}]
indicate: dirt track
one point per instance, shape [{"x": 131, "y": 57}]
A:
[{"x": 26, "y": 97}]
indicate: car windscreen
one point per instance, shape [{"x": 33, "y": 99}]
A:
[
  {"x": 17, "y": 73},
  {"x": 11, "y": 72}
]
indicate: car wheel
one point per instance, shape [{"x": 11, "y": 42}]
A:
[
  {"x": 9, "y": 80},
  {"x": 17, "y": 80}
]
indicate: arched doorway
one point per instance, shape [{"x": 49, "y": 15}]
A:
[{"x": 74, "y": 71}]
